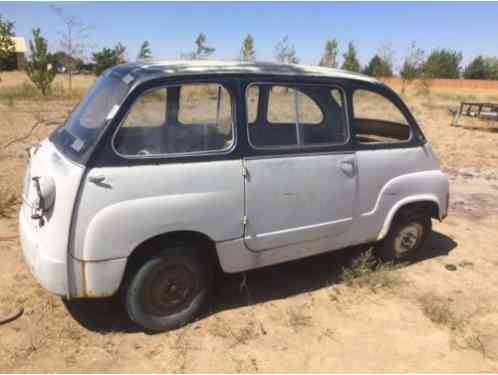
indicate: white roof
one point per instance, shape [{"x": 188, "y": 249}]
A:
[
  {"x": 178, "y": 67},
  {"x": 19, "y": 44}
]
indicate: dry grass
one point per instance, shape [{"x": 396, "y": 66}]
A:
[
  {"x": 299, "y": 318},
  {"x": 439, "y": 311},
  {"x": 8, "y": 202},
  {"x": 366, "y": 271}
]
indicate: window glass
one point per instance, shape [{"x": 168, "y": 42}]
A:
[
  {"x": 296, "y": 117},
  {"x": 308, "y": 111},
  {"x": 377, "y": 119},
  {"x": 178, "y": 119},
  {"x": 252, "y": 103},
  {"x": 281, "y": 105}
]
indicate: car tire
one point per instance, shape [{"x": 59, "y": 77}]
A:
[
  {"x": 406, "y": 237},
  {"x": 168, "y": 290}
]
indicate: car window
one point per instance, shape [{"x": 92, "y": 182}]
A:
[
  {"x": 298, "y": 116},
  {"x": 178, "y": 119},
  {"x": 252, "y": 103},
  {"x": 377, "y": 119}
]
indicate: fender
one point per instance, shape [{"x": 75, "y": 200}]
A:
[
  {"x": 125, "y": 225},
  {"x": 411, "y": 199}
]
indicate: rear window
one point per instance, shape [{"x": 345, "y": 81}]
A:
[
  {"x": 377, "y": 119},
  {"x": 87, "y": 121}
]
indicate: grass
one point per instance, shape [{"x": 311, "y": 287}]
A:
[
  {"x": 366, "y": 271},
  {"x": 438, "y": 310},
  {"x": 8, "y": 201},
  {"x": 298, "y": 318},
  {"x": 27, "y": 91}
]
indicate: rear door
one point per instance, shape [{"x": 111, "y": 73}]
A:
[{"x": 301, "y": 179}]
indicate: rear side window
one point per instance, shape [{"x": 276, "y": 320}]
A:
[
  {"x": 297, "y": 116},
  {"x": 190, "y": 118},
  {"x": 377, "y": 119}
]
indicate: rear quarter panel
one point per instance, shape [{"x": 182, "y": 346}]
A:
[{"x": 137, "y": 203}]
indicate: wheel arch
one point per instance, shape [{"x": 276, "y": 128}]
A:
[
  {"x": 427, "y": 202},
  {"x": 153, "y": 245}
]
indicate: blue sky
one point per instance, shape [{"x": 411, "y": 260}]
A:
[{"x": 171, "y": 28}]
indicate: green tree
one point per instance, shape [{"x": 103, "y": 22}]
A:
[
  {"x": 492, "y": 64},
  {"x": 285, "y": 53},
  {"x": 377, "y": 67},
  {"x": 40, "y": 66},
  {"x": 105, "y": 59},
  {"x": 6, "y": 43},
  {"x": 145, "y": 51},
  {"x": 247, "y": 52},
  {"x": 351, "y": 62},
  {"x": 477, "y": 69},
  {"x": 202, "y": 51},
  {"x": 329, "y": 57},
  {"x": 120, "y": 50},
  {"x": 413, "y": 66},
  {"x": 443, "y": 63}
]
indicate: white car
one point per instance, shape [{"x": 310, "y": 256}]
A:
[{"x": 165, "y": 171}]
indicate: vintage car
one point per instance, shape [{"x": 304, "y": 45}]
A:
[{"x": 166, "y": 171}]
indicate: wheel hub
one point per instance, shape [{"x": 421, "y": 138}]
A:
[
  {"x": 168, "y": 289},
  {"x": 407, "y": 238}
]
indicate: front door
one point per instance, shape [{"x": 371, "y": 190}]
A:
[{"x": 304, "y": 192}]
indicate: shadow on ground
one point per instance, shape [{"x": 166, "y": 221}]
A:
[{"x": 269, "y": 283}]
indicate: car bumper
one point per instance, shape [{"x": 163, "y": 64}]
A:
[{"x": 50, "y": 273}]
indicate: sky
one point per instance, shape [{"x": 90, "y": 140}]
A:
[{"x": 171, "y": 28}]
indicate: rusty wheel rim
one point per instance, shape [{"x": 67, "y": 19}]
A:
[{"x": 168, "y": 289}]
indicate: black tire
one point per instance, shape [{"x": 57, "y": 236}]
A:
[
  {"x": 406, "y": 237},
  {"x": 168, "y": 290}
]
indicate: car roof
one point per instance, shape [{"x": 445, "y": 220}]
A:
[{"x": 145, "y": 70}]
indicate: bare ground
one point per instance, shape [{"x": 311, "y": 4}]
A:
[{"x": 438, "y": 313}]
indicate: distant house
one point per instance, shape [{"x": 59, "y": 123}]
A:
[
  {"x": 17, "y": 59},
  {"x": 19, "y": 50}
]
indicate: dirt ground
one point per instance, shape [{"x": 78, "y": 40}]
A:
[{"x": 438, "y": 313}]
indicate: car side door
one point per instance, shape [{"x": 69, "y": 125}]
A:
[{"x": 301, "y": 174}]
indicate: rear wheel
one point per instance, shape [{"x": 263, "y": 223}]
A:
[
  {"x": 168, "y": 290},
  {"x": 406, "y": 237}
]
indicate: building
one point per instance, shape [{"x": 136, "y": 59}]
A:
[
  {"x": 19, "y": 51},
  {"x": 17, "y": 60}
]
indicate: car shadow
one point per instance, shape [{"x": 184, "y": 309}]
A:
[{"x": 258, "y": 286}]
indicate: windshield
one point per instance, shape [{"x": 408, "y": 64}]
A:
[{"x": 87, "y": 121}]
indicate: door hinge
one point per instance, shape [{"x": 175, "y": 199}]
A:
[
  {"x": 244, "y": 171},
  {"x": 244, "y": 220}
]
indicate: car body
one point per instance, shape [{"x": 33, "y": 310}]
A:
[{"x": 259, "y": 163}]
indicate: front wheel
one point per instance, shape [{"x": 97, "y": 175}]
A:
[
  {"x": 168, "y": 290},
  {"x": 406, "y": 237}
]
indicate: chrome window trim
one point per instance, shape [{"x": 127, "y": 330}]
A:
[
  {"x": 297, "y": 146},
  {"x": 223, "y": 151}
]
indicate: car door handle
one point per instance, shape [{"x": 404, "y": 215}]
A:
[
  {"x": 96, "y": 179},
  {"x": 348, "y": 166}
]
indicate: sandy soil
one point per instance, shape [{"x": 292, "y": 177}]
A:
[{"x": 438, "y": 313}]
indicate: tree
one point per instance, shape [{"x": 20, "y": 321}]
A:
[
  {"x": 247, "y": 51},
  {"x": 492, "y": 64},
  {"x": 201, "y": 50},
  {"x": 104, "y": 59},
  {"x": 285, "y": 52},
  {"x": 351, "y": 62},
  {"x": 40, "y": 66},
  {"x": 329, "y": 57},
  {"x": 477, "y": 69},
  {"x": 377, "y": 67},
  {"x": 73, "y": 42},
  {"x": 443, "y": 64},
  {"x": 413, "y": 66},
  {"x": 120, "y": 50},
  {"x": 145, "y": 51},
  {"x": 6, "y": 43}
]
